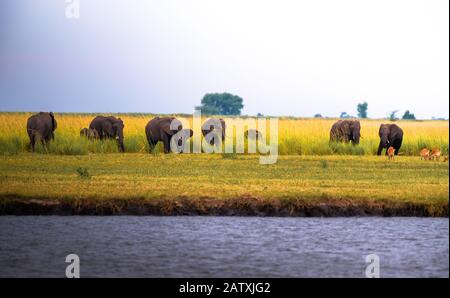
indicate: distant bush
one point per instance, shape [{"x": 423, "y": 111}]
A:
[
  {"x": 83, "y": 173},
  {"x": 408, "y": 116}
]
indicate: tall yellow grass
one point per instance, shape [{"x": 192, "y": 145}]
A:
[{"x": 296, "y": 136}]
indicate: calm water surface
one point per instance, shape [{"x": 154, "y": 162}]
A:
[{"x": 147, "y": 246}]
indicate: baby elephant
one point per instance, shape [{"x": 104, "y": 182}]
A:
[
  {"x": 253, "y": 134},
  {"x": 89, "y": 133}
]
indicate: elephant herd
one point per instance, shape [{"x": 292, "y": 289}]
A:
[
  {"x": 391, "y": 135},
  {"x": 41, "y": 127}
]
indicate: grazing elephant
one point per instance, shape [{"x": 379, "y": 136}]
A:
[
  {"x": 41, "y": 127},
  {"x": 163, "y": 129},
  {"x": 390, "y": 135},
  {"x": 212, "y": 129},
  {"x": 253, "y": 134},
  {"x": 89, "y": 133},
  {"x": 346, "y": 131},
  {"x": 109, "y": 128}
]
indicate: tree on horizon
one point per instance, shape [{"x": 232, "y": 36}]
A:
[
  {"x": 221, "y": 104},
  {"x": 362, "y": 110},
  {"x": 408, "y": 115}
]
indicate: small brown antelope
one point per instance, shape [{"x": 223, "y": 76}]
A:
[
  {"x": 424, "y": 154},
  {"x": 390, "y": 153},
  {"x": 435, "y": 154}
]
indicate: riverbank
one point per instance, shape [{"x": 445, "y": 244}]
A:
[
  {"x": 245, "y": 206},
  {"x": 146, "y": 184}
]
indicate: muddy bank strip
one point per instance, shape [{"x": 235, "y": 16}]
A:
[{"x": 243, "y": 206}]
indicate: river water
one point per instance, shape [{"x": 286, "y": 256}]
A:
[{"x": 150, "y": 246}]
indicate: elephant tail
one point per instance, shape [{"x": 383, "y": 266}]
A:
[{"x": 53, "y": 121}]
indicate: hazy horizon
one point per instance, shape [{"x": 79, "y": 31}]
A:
[{"x": 284, "y": 58}]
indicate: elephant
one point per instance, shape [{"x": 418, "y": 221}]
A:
[
  {"x": 346, "y": 131},
  {"x": 109, "y": 128},
  {"x": 41, "y": 127},
  {"x": 163, "y": 129},
  {"x": 91, "y": 134},
  {"x": 212, "y": 129},
  {"x": 253, "y": 134},
  {"x": 390, "y": 135}
]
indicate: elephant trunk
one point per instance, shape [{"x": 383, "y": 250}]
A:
[
  {"x": 384, "y": 141},
  {"x": 120, "y": 141},
  {"x": 356, "y": 138}
]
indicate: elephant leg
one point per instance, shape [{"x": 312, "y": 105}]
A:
[
  {"x": 397, "y": 145},
  {"x": 32, "y": 142},
  {"x": 44, "y": 144},
  {"x": 380, "y": 148},
  {"x": 166, "y": 141},
  {"x": 121, "y": 146},
  {"x": 151, "y": 145}
]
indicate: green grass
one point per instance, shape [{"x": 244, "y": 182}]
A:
[{"x": 169, "y": 176}]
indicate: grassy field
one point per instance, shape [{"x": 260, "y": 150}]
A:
[
  {"x": 296, "y": 136},
  {"x": 96, "y": 179},
  {"x": 310, "y": 173}
]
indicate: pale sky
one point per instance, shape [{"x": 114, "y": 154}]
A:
[{"x": 282, "y": 57}]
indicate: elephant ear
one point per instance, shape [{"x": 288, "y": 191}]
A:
[
  {"x": 117, "y": 123},
  {"x": 345, "y": 128},
  {"x": 355, "y": 126},
  {"x": 108, "y": 127},
  {"x": 165, "y": 126}
]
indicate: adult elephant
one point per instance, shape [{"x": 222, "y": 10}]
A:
[
  {"x": 346, "y": 131},
  {"x": 109, "y": 128},
  {"x": 164, "y": 129},
  {"x": 390, "y": 135},
  {"x": 213, "y": 129},
  {"x": 41, "y": 127}
]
